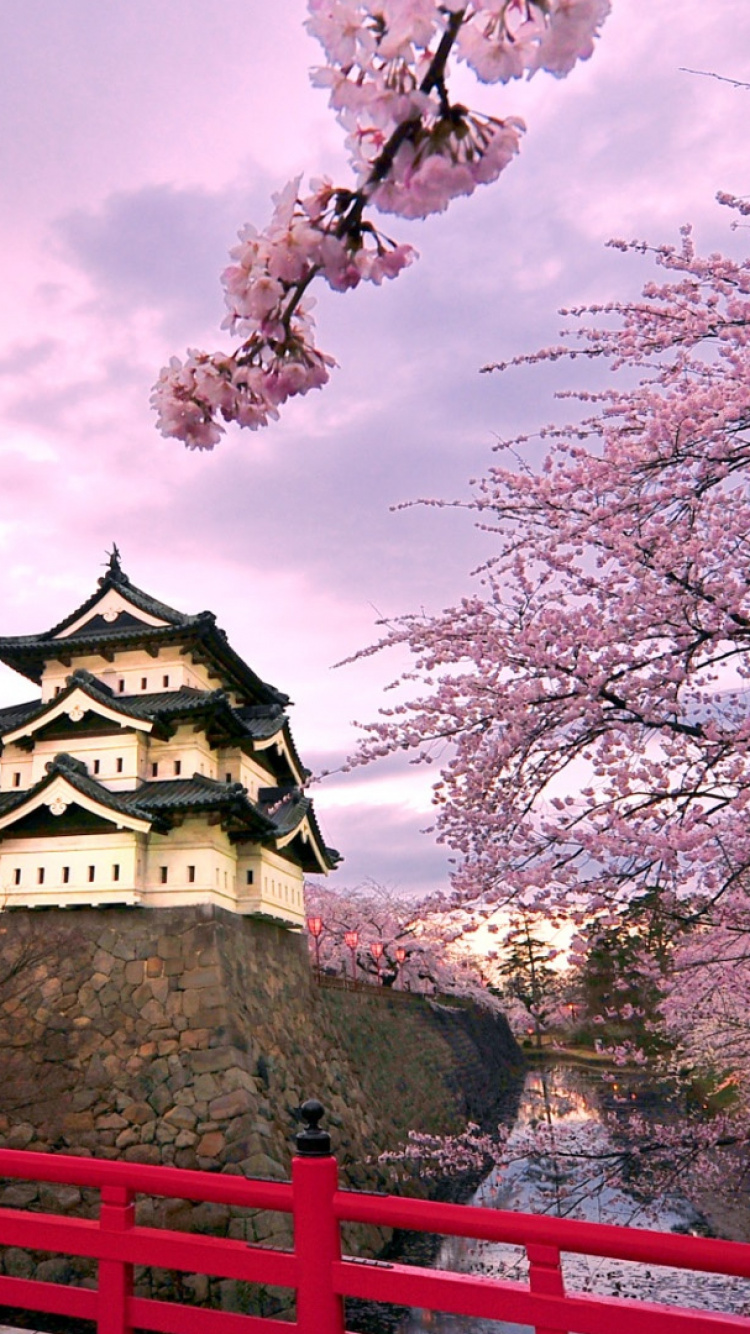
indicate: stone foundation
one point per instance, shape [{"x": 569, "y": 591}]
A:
[{"x": 190, "y": 1037}]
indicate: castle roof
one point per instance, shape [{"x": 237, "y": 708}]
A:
[
  {"x": 281, "y": 816},
  {"x": 117, "y": 617},
  {"x": 160, "y": 712}
]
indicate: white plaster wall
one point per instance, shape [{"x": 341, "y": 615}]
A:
[
  {"x": 189, "y": 747},
  {"x": 15, "y": 761},
  {"x": 277, "y": 885},
  {"x": 193, "y": 843},
  {"x": 102, "y": 851},
  {"x": 127, "y": 746},
  {"x": 220, "y": 874},
  {"x": 132, "y": 668}
]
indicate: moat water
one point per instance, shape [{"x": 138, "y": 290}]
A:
[{"x": 568, "y": 1099}]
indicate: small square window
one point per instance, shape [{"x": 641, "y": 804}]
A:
[
  {"x": 165, "y": 681},
  {"x": 178, "y": 767},
  {"x": 228, "y": 778},
  {"x": 116, "y": 871},
  {"x": 249, "y": 877},
  {"x": 144, "y": 682},
  {"x": 40, "y": 876},
  {"x": 155, "y": 770},
  {"x": 17, "y": 875},
  {"x": 97, "y": 766},
  {"x": 118, "y": 764},
  {"x": 66, "y": 875},
  {"x": 16, "y": 780},
  {"x": 191, "y": 875},
  {"x": 163, "y": 873},
  {"x": 121, "y": 686},
  {"x": 92, "y": 873}
]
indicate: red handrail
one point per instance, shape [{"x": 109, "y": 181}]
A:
[{"x": 320, "y": 1277}]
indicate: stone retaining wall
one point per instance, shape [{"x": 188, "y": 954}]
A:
[{"x": 191, "y": 1036}]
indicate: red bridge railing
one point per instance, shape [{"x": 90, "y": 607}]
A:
[{"x": 316, "y": 1270}]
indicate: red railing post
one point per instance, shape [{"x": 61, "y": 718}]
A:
[
  {"x": 317, "y": 1240},
  {"x": 545, "y": 1278},
  {"x": 115, "y": 1288}
]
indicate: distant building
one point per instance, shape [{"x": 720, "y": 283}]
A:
[{"x": 156, "y": 769}]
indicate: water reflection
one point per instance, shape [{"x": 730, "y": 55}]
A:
[{"x": 564, "y": 1101}]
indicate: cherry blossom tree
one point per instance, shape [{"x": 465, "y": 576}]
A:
[
  {"x": 412, "y": 149},
  {"x": 588, "y": 702},
  {"x": 419, "y": 946}
]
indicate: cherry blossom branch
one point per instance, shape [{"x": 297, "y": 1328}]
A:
[{"x": 412, "y": 151}]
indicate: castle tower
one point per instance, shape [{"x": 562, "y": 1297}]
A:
[{"x": 157, "y": 769}]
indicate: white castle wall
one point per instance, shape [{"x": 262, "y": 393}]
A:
[{"x": 132, "y": 669}]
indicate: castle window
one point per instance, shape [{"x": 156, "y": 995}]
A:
[
  {"x": 92, "y": 873},
  {"x": 178, "y": 767},
  {"x": 40, "y": 876},
  {"x": 57, "y": 690},
  {"x": 16, "y": 780},
  {"x": 165, "y": 681},
  {"x": 118, "y": 764},
  {"x": 97, "y": 766},
  {"x": 163, "y": 873},
  {"x": 17, "y": 876},
  {"x": 66, "y": 875},
  {"x": 121, "y": 686},
  {"x": 249, "y": 877},
  {"x": 144, "y": 682},
  {"x": 191, "y": 875},
  {"x": 116, "y": 871},
  {"x": 228, "y": 777},
  {"x": 154, "y": 770}
]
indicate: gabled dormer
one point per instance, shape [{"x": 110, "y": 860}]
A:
[{"x": 134, "y": 643}]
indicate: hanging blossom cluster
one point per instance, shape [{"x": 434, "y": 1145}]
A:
[{"x": 412, "y": 150}]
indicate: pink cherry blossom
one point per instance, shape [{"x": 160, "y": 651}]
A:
[{"x": 412, "y": 151}]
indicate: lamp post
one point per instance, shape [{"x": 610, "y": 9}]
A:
[
  {"x": 315, "y": 927},
  {"x": 351, "y": 940},
  {"x": 400, "y": 958},
  {"x": 376, "y": 949}
]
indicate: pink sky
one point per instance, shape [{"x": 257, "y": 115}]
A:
[{"x": 137, "y": 138}]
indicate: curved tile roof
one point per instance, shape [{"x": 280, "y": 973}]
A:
[{"x": 28, "y": 654}]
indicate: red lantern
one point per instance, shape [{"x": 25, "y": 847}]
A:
[{"x": 315, "y": 927}]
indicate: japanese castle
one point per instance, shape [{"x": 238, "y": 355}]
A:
[{"x": 157, "y": 768}]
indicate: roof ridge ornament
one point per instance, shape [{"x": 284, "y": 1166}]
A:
[{"x": 114, "y": 569}]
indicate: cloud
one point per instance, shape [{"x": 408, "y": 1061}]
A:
[
  {"x": 160, "y": 246},
  {"x": 383, "y": 844}
]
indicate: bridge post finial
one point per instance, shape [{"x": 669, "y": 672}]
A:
[{"x": 312, "y": 1142}]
